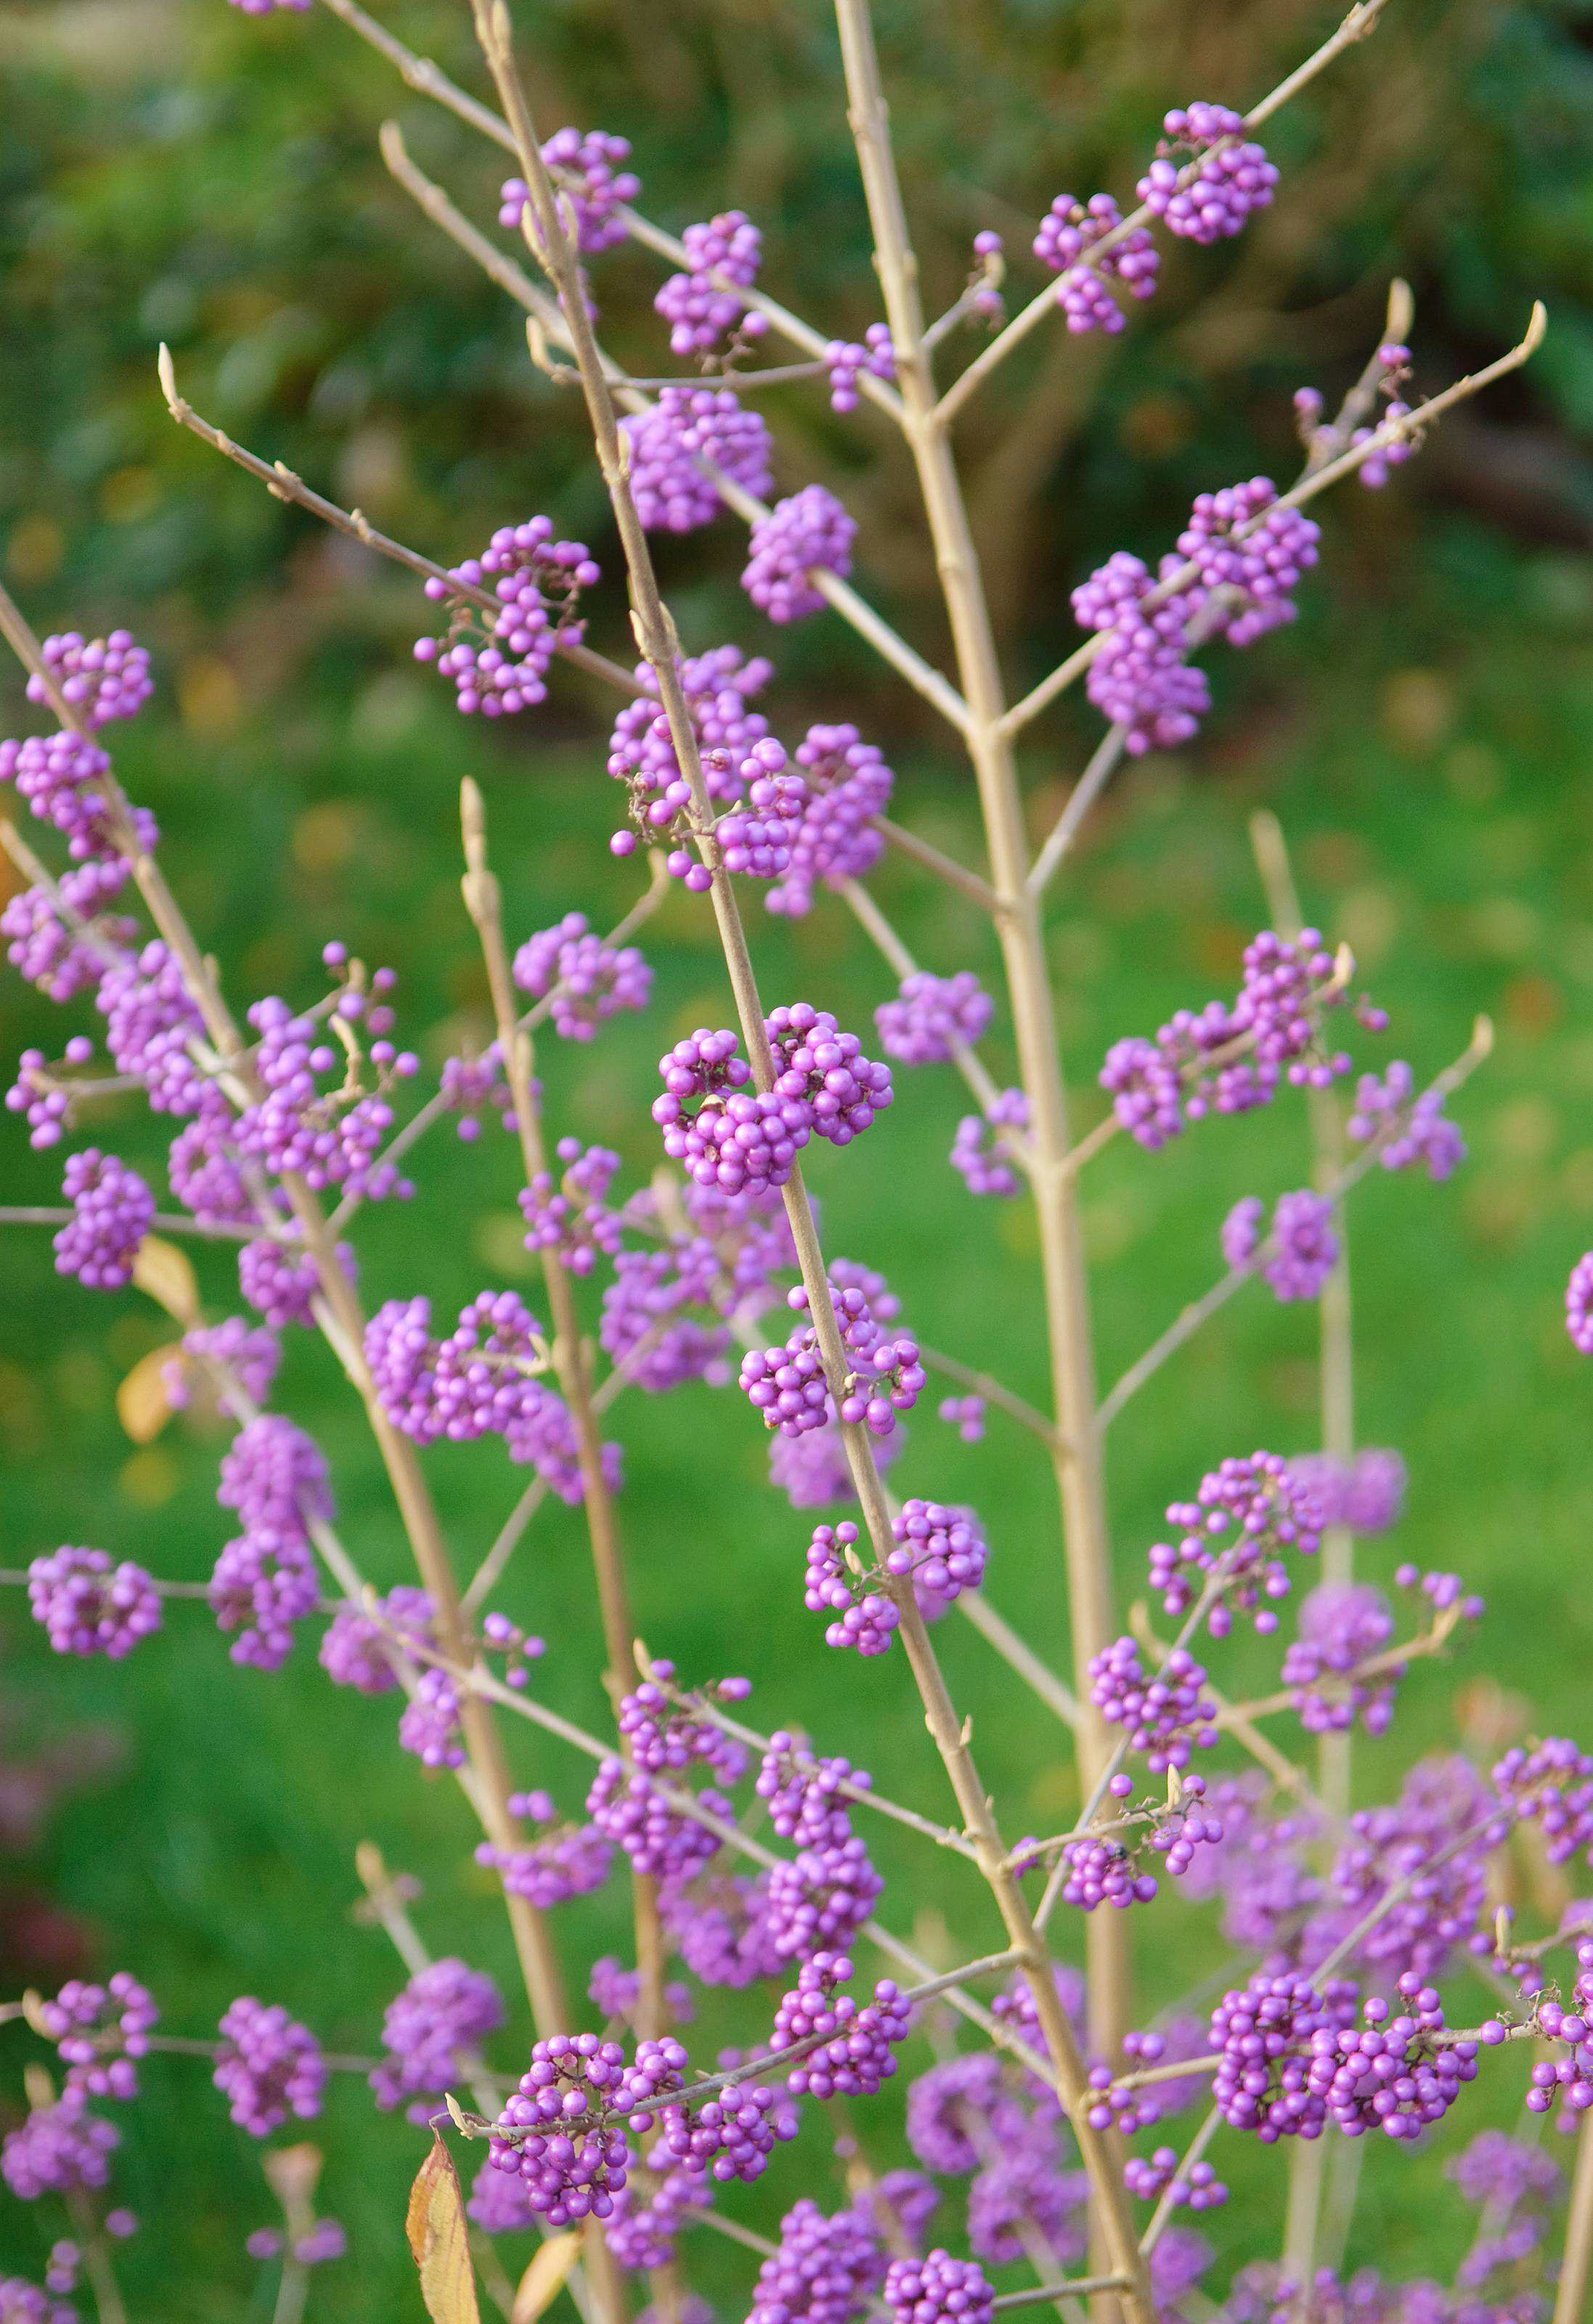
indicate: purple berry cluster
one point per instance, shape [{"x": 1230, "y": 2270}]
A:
[
  {"x": 808, "y": 532},
  {"x": 1231, "y": 1540},
  {"x": 1232, "y": 179},
  {"x": 100, "y": 2032},
  {"x": 270, "y": 2066},
  {"x": 1250, "y": 555},
  {"x": 1394, "y": 2073},
  {"x": 45, "y": 939},
  {"x": 275, "y": 1478},
  {"x": 718, "y": 688},
  {"x": 1302, "y": 1246},
  {"x": 982, "y": 1156},
  {"x": 701, "y": 306},
  {"x": 866, "y": 1619},
  {"x": 60, "y": 2149},
  {"x": 430, "y": 2034},
  {"x": 737, "y": 1137},
  {"x": 87, "y": 1605},
  {"x": 567, "y": 1214},
  {"x": 848, "y": 785},
  {"x": 1166, "y": 1714},
  {"x": 499, "y": 665},
  {"x": 99, "y": 679},
  {"x": 1342, "y": 1625},
  {"x": 1367, "y": 1494},
  {"x": 1231, "y": 1060},
  {"x": 485, "y": 1379},
  {"x": 358, "y": 1648},
  {"x": 583, "y": 978},
  {"x": 1413, "y": 1131},
  {"x": 1142, "y": 679},
  {"x": 673, "y": 444},
  {"x": 823, "y": 1068},
  {"x": 942, "y": 1551},
  {"x": 594, "y": 183},
  {"x": 938, "y": 2289},
  {"x": 849, "y": 2048},
  {"x": 1425, "y": 1857},
  {"x": 933, "y": 1017},
  {"x": 1069, "y": 234},
  {"x": 1264, "y": 2032},
  {"x": 113, "y": 1210},
  {"x": 822, "y": 2271},
  {"x": 571, "y": 2159},
  {"x": 846, "y": 361},
  {"x": 820, "y": 1899},
  {"x": 565, "y": 1859}
]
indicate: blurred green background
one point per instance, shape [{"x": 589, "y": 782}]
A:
[{"x": 172, "y": 170}]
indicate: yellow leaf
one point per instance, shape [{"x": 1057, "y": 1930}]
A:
[
  {"x": 142, "y": 1404},
  {"x": 440, "y": 2240},
  {"x": 545, "y": 2278},
  {"x": 164, "y": 1272}
]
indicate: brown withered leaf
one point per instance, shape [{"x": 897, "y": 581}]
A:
[
  {"x": 545, "y": 2278},
  {"x": 142, "y": 1404},
  {"x": 164, "y": 1272},
  {"x": 435, "y": 2227}
]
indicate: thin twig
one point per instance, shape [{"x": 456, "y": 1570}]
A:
[
  {"x": 1356, "y": 26},
  {"x": 1402, "y": 429},
  {"x": 1163, "y": 2213},
  {"x": 869, "y": 917},
  {"x": 428, "y": 80},
  {"x": 1095, "y": 780},
  {"x": 550, "y": 325},
  {"x": 1186, "y": 1325}
]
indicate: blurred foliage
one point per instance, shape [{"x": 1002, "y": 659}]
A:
[
  {"x": 172, "y": 171},
  {"x": 175, "y": 171}
]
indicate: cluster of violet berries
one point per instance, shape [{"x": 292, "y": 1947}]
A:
[
  {"x": 1232, "y": 1059},
  {"x": 1231, "y": 1540},
  {"x": 1070, "y": 232},
  {"x": 1231, "y": 176},
  {"x": 583, "y": 978},
  {"x": 499, "y": 663},
  {"x": 700, "y": 305},
  {"x": 593, "y": 185},
  {"x": 809, "y": 531},
  {"x": 1301, "y": 1246},
  {"x": 87, "y": 1605}
]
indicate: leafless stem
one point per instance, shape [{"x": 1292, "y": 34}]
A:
[
  {"x": 428, "y": 80},
  {"x": 630, "y": 395},
  {"x": 875, "y": 925},
  {"x": 1078, "y": 1457},
  {"x": 1360, "y": 21},
  {"x": 1404, "y": 430}
]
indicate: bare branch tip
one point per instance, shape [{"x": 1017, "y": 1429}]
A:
[{"x": 168, "y": 376}]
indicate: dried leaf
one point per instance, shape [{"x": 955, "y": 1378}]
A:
[
  {"x": 165, "y": 1273},
  {"x": 438, "y": 2238},
  {"x": 545, "y": 2278},
  {"x": 142, "y": 1404}
]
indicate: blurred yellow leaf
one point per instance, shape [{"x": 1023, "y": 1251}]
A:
[
  {"x": 438, "y": 2238},
  {"x": 167, "y": 1274},
  {"x": 142, "y": 1404},
  {"x": 545, "y": 2278}
]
